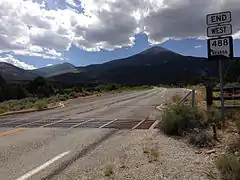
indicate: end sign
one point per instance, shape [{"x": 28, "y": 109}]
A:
[
  {"x": 221, "y": 47},
  {"x": 219, "y": 18}
]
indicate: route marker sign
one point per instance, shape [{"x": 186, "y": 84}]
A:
[
  {"x": 219, "y": 18},
  {"x": 221, "y": 30},
  {"x": 220, "y": 48}
]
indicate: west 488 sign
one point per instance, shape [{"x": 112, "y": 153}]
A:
[{"x": 220, "y": 47}]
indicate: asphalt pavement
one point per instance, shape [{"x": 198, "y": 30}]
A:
[{"x": 42, "y": 145}]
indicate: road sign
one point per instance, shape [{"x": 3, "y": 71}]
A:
[
  {"x": 219, "y": 18},
  {"x": 221, "y": 30},
  {"x": 220, "y": 48}
]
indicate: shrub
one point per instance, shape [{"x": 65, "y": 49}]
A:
[
  {"x": 41, "y": 104},
  {"x": 234, "y": 144},
  {"x": 153, "y": 153},
  {"x": 238, "y": 125},
  {"x": 2, "y": 111},
  {"x": 214, "y": 115},
  {"x": 179, "y": 118},
  {"x": 108, "y": 170},
  {"x": 232, "y": 115},
  {"x": 229, "y": 166},
  {"x": 62, "y": 97},
  {"x": 201, "y": 140}
]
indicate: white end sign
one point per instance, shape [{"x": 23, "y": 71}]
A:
[{"x": 219, "y": 18}]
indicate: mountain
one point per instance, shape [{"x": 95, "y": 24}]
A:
[
  {"x": 156, "y": 65},
  {"x": 55, "y": 70},
  {"x": 153, "y": 66},
  {"x": 13, "y": 73}
]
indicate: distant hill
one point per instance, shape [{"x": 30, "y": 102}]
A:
[
  {"x": 55, "y": 70},
  {"x": 13, "y": 73},
  {"x": 156, "y": 65},
  {"x": 153, "y": 66}
]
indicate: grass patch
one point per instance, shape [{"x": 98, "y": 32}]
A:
[
  {"x": 108, "y": 170},
  {"x": 229, "y": 166},
  {"x": 180, "y": 118},
  {"x": 176, "y": 98},
  {"x": 2, "y": 111},
  {"x": 234, "y": 145},
  {"x": 41, "y": 104},
  {"x": 153, "y": 153}
]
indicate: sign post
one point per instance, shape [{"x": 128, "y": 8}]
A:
[
  {"x": 220, "y": 48},
  {"x": 221, "y": 89}
]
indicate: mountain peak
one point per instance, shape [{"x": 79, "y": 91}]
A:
[{"x": 155, "y": 50}]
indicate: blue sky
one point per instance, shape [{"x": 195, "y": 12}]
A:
[
  {"x": 38, "y": 33},
  {"x": 79, "y": 57}
]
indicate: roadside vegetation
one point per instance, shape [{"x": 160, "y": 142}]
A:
[
  {"x": 108, "y": 170},
  {"x": 152, "y": 153},
  {"x": 40, "y": 94},
  {"x": 195, "y": 124}
]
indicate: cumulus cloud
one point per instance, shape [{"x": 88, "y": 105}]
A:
[
  {"x": 37, "y": 51},
  {"x": 11, "y": 60},
  {"x": 103, "y": 24}
]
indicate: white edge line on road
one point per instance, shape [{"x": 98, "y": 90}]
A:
[
  {"x": 38, "y": 169},
  {"x": 107, "y": 123},
  {"x": 79, "y": 124},
  {"x": 138, "y": 124}
]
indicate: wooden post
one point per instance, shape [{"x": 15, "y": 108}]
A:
[
  {"x": 193, "y": 97},
  {"x": 209, "y": 96},
  {"x": 209, "y": 99}
]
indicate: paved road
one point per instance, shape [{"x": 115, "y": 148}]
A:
[{"x": 43, "y": 144}]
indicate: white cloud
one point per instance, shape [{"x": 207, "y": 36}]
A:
[
  {"x": 36, "y": 51},
  {"x": 38, "y": 28},
  {"x": 11, "y": 60},
  {"x": 198, "y": 46},
  {"x": 72, "y": 3}
]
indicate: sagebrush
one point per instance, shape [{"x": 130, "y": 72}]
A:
[
  {"x": 180, "y": 118},
  {"x": 229, "y": 166}
]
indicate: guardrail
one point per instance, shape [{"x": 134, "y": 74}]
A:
[{"x": 192, "y": 92}]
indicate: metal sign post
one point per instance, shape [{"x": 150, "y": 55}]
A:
[
  {"x": 222, "y": 90},
  {"x": 220, "y": 48}
]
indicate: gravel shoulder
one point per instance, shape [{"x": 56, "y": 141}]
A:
[{"x": 124, "y": 153}]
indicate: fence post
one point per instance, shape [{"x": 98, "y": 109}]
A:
[
  {"x": 209, "y": 95},
  {"x": 209, "y": 99},
  {"x": 193, "y": 97}
]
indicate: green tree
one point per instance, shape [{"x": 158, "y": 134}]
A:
[
  {"x": 234, "y": 71},
  {"x": 40, "y": 87},
  {"x": 19, "y": 92},
  {"x": 2, "y": 89}
]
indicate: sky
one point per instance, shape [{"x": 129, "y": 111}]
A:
[{"x": 38, "y": 33}]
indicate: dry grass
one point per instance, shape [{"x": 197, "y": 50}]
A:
[
  {"x": 229, "y": 166},
  {"x": 108, "y": 170},
  {"x": 153, "y": 153},
  {"x": 176, "y": 98},
  {"x": 200, "y": 93}
]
